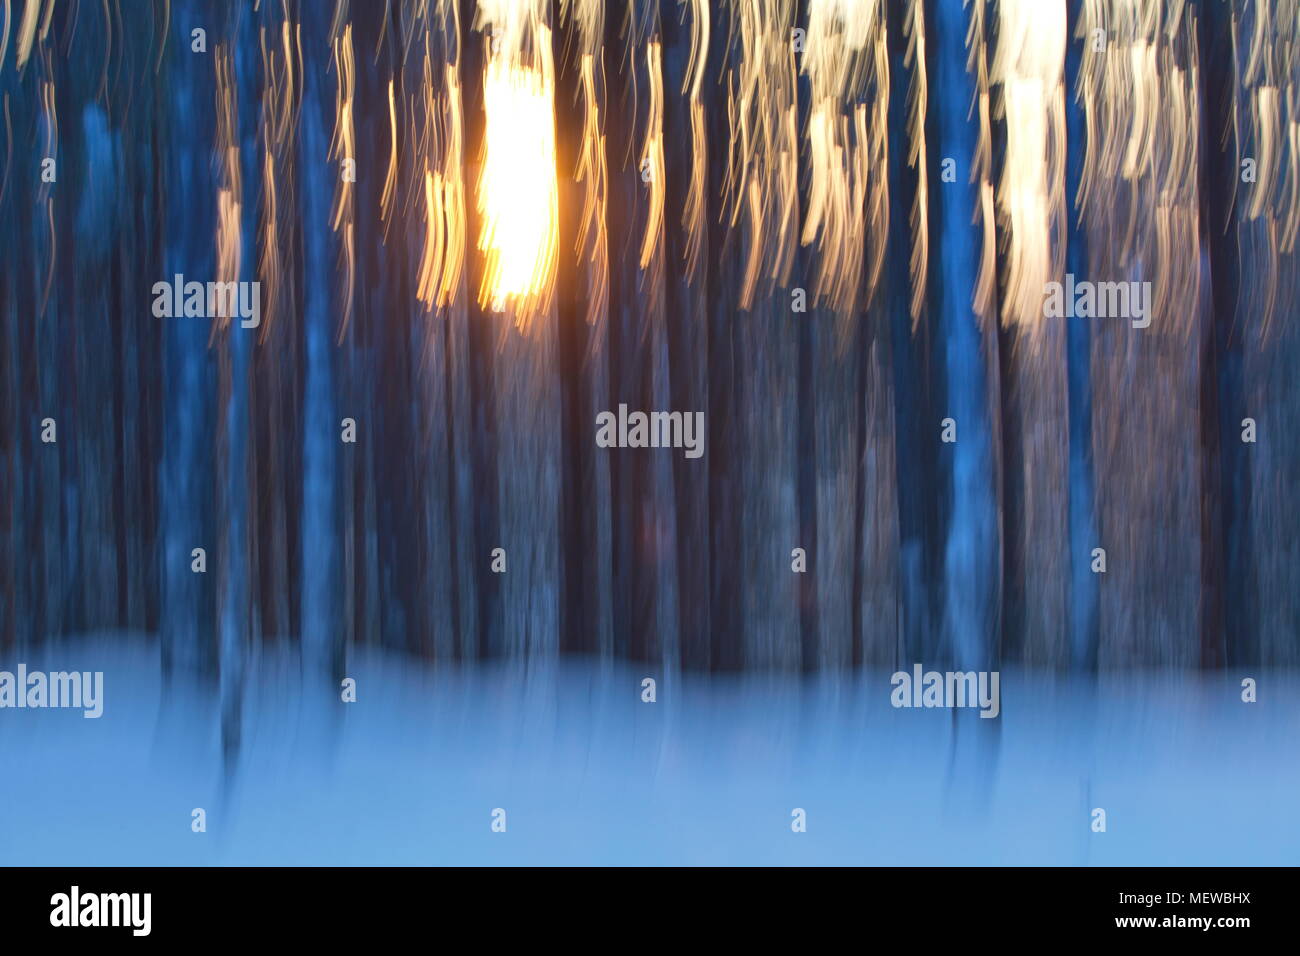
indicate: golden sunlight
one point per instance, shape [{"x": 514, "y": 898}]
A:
[{"x": 517, "y": 193}]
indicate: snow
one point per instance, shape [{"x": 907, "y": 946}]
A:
[{"x": 589, "y": 774}]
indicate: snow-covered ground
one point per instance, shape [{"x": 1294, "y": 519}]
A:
[{"x": 589, "y": 774}]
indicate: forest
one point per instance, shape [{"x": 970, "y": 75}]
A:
[{"x": 827, "y": 227}]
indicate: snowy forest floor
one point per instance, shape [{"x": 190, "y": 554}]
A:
[{"x": 587, "y": 773}]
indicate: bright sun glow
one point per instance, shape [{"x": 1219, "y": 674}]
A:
[{"x": 517, "y": 199}]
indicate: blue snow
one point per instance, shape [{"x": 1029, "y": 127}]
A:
[{"x": 587, "y": 773}]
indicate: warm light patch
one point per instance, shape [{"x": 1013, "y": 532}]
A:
[
  {"x": 1029, "y": 69},
  {"x": 517, "y": 199},
  {"x": 846, "y": 213}
]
